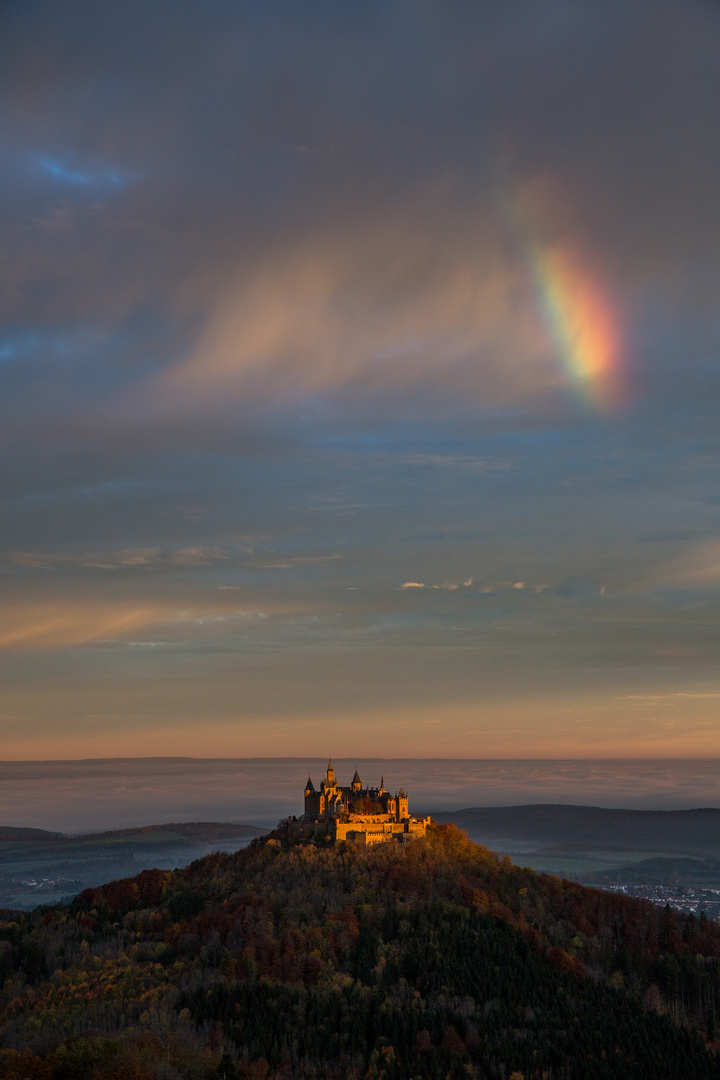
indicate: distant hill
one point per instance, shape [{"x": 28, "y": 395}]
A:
[
  {"x": 431, "y": 959},
  {"x": 700, "y": 873},
  {"x": 12, "y": 833},
  {"x": 43, "y": 867},
  {"x": 205, "y": 831},
  {"x": 542, "y": 826}
]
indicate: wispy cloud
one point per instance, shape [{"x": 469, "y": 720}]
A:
[
  {"x": 698, "y": 565},
  {"x": 60, "y": 169},
  {"x": 299, "y": 560},
  {"x": 471, "y": 583},
  {"x": 456, "y": 462},
  {"x": 54, "y": 625},
  {"x": 124, "y": 558},
  {"x": 202, "y": 555},
  {"x": 381, "y": 310}
]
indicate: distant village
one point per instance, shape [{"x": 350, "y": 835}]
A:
[{"x": 684, "y": 898}]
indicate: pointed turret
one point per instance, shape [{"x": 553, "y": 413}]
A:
[
  {"x": 382, "y": 784},
  {"x": 309, "y": 786},
  {"x": 330, "y": 772},
  {"x": 356, "y": 782}
]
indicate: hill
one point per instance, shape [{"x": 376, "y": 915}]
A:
[
  {"x": 700, "y": 873},
  {"x": 687, "y": 832},
  {"x": 12, "y": 833},
  {"x": 593, "y": 843},
  {"x": 431, "y": 959},
  {"x": 38, "y": 866}
]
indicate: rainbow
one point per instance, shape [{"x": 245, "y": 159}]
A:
[
  {"x": 581, "y": 322},
  {"x": 575, "y": 307}
]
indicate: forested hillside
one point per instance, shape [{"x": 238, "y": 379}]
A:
[{"x": 429, "y": 960}]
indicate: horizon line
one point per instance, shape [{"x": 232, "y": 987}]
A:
[{"x": 320, "y": 757}]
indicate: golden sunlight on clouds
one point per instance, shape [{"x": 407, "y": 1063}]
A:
[
  {"x": 388, "y": 308},
  {"x": 699, "y": 565},
  {"x": 56, "y": 625}
]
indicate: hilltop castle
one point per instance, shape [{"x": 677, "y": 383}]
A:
[{"x": 361, "y": 815}]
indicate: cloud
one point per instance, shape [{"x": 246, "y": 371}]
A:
[
  {"x": 505, "y": 586},
  {"x": 56, "y": 625},
  {"x": 201, "y": 555},
  {"x": 276, "y": 330},
  {"x": 58, "y": 218},
  {"x": 53, "y": 625},
  {"x": 124, "y": 558},
  {"x": 653, "y": 699},
  {"x": 299, "y": 560},
  {"x": 456, "y": 462},
  {"x": 699, "y": 565},
  {"x": 391, "y": 307},
  {"x": 512, "y": 586},
  {"x": 299, "y": 230},
  {"x": 579, "y": 589},
  {"x": 449, "y": 586},
  {"x": 60, "y": 170}
]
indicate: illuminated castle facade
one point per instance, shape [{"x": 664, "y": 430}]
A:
[{"x": 361, "y": 815}]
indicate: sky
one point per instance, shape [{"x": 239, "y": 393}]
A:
[{"x": 360, "y": 370}]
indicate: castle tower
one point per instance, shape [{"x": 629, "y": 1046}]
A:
[
  {"x": 356, "y": 782},
  {"x": 311, "y": 798},
  {"x": 330, "y": 772}
]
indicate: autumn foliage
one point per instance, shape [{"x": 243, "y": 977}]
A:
[{"x": 430, "y": 959}]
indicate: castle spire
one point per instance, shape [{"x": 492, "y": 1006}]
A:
[
  {"x": 330, "y": 772},
  {"x": 382, "y": 783},
  {"x": 309, "y": 785}
]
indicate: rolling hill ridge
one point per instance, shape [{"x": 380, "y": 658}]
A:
[{"x": 37, "y": 866}]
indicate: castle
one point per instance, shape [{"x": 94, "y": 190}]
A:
[{"x": 361, "y": 815}]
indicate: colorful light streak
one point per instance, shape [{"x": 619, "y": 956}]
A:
[
  {"x": 582, "y": 323},
  {"x": 575, "y": 307}
]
